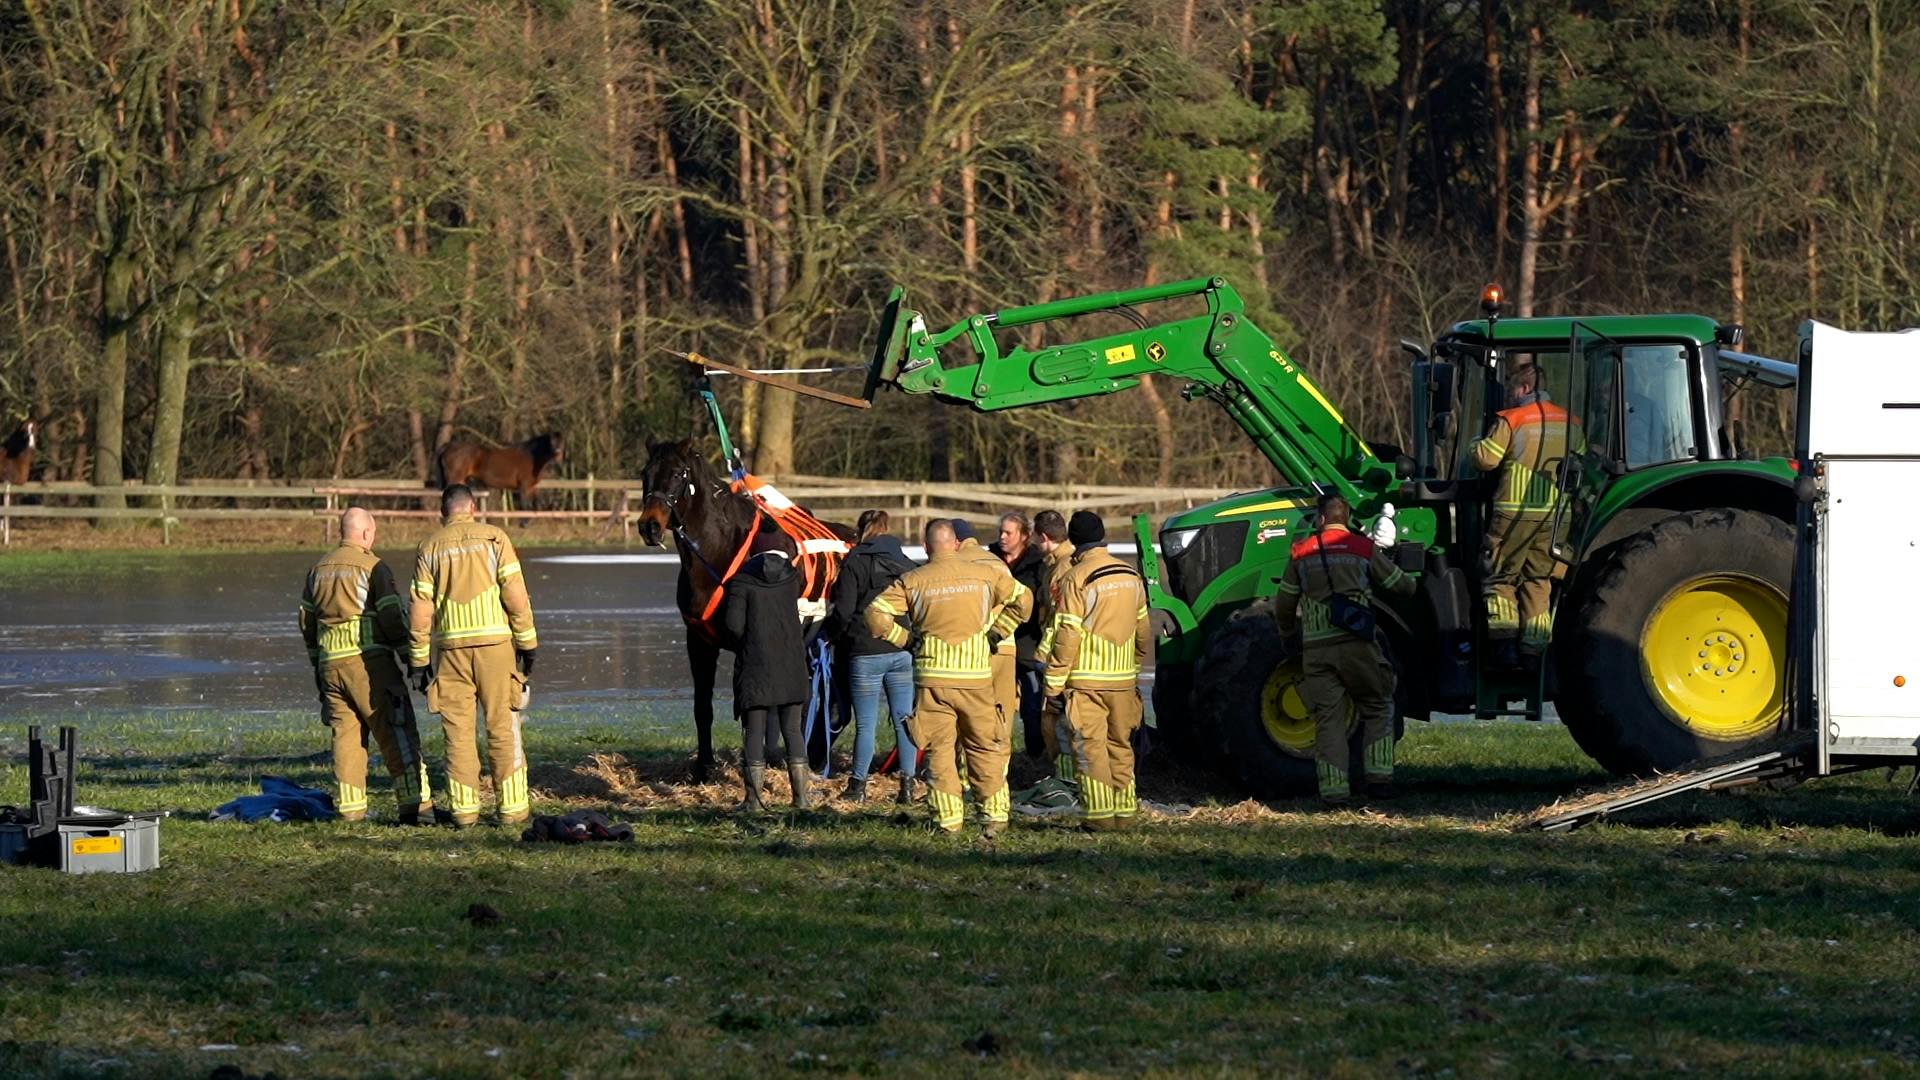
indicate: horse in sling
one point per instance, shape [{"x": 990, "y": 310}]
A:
[
  {"x": 713, "y": 520},
  {"x": 505, "y": 468}
]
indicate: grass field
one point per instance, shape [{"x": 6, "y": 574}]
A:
[{"x": 1748, "y": 933}]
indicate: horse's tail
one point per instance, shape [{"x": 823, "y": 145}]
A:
[{"x": 438, "y": 478}]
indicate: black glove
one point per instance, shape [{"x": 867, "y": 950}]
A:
[
  {"x": 993, "y": 642},
  {"x": 913, "y": 642},
  {"x": 420, "y": 675},
  {"x": 1057, "y": 703},
  {"x": 525, "y": 659}
]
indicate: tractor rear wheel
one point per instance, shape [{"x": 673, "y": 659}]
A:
[
  {"x": 1248, "y": 686},
  {"x": 1678, "y": 650}
]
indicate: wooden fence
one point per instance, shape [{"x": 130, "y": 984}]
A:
[{"x": 911, "y": 503}]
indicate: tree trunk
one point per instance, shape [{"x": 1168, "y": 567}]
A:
[
  {"x": 174, "y": 364},
  {"x": 417, "y": 444},
  {"x": 455, "y": 385},
  {"x": 110, "y": 382},
  {"x": 1497, "y": 120},
  {"x": 1162, "y": 432},
  {"x": 1736, "y": 146},
  {"x": 1532, "y": 212}
]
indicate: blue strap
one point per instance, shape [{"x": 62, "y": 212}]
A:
[{"x": 820, "y": 701}]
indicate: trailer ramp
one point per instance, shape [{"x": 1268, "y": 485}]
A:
[{"x": 1757, "y": 765}]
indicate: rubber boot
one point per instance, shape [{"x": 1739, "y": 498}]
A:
[
  {"x": 756, "y": 779},
  {"x": 905, "y": 797},
  {"x": 857, "y": 790},
  {"x": 797, "y": 779}
]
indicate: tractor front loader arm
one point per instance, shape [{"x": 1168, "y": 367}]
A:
[{"x": 1219, "y": 355}]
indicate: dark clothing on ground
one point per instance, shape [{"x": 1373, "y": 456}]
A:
[
  {"x": 576, "y": 828},
  {"x": 764, "y": 727},
  {"x": 762, "y": 614},
  {"x": 867, "y": 571},
  {"x": 1030, "y": 570}
]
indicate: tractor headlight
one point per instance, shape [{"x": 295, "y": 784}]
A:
[{"x": 1175, "y": 541}]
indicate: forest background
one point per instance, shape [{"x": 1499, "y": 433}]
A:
[{"x": 324, "y": 237}]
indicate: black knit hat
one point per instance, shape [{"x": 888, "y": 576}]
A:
[
  {"x": 1085, "y": 527},
  {"x": 962, "y": 529}
]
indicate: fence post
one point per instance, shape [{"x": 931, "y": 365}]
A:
[
  {"x": 589, "y": 493},
  {"x": 6, "y": 522}
]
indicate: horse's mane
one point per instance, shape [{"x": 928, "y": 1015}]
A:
[
  {"x": 16, "y": 443},
  {"x": 542, "y": 449}
]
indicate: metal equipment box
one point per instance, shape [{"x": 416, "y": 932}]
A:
[{"x": 125, "y": 846}]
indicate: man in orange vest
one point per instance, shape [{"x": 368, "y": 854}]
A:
[{"x": 1522, "y": 452}]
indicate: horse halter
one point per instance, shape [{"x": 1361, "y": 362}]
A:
[{"x": 676, "y": 489}]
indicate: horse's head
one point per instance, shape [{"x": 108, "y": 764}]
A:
[
  {"x": 546, "y": 450},
  {"x": 24, "y": 438},
  {"x": 674, "y": 477}
]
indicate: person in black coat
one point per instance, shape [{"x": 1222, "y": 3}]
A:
[
  {"x": 877, "y": 667},
  {"x": 1028, "y": 565},
  {"x": 770, "y": 678}
]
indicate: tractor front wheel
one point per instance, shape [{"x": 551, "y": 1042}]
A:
[{"x": 1678, "y": 650}]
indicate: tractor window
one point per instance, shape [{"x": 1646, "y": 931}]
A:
[
  {"x": 1659, "y": 424},
  {"x": 1556, "y": 380}
]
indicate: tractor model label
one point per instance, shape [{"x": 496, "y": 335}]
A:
[
  {"x": 1120, "y": 354},
  {"x": 1273, "y": 533}
]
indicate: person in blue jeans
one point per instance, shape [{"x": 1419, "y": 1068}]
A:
[{"x": 876, "y": 668}]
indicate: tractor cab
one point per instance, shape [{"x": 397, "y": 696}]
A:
[{"x": 1647, "y": 406}]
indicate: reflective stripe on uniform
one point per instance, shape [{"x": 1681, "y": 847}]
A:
[
  {"x": 513, "y": 793},
  {"x": 350, "y": 638},
  {"x": 940, "y": 659},
  {"x": 996, "y": 807},
  {"x": 482, "y": 616},
  {"x": 464, "y": 800},
  {"x": 1333, "y": 780},
  {"x": 1503, "y": 615},
  {"x": 1379, "y": 758},
  {"x": 948, "y": 811},
  {"x": 1537, "y": 630}
]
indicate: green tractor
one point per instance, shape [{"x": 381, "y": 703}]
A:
[{"x": 1674, "y": 552}]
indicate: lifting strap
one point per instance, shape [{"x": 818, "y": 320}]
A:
[{"x": 818, "y": 551}]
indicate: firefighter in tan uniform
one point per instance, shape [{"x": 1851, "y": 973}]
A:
[
  {"x": 954, "y": 606},
  {"x": 471, "y": 607},
  {"x": 1100, "y": 641},
  {"x": 1342, "y": 670},
  {"x": 1005, "y": 660},
  {"x": 353, "y": 621},
  {"x": 1523, "y": 451}
]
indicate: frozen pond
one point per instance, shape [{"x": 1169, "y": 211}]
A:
[{"x": 218, "y": 632}]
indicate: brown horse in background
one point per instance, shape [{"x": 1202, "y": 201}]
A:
[
  {"x": 16, "y": 454},
  {"x": 507, "y": 468}
]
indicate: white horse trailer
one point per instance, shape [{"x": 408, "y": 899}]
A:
[{"x": 1853, "y": 672}]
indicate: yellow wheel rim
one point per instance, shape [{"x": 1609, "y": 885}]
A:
[
  {"x": 1713, "y": 653},
  {"x": 1284, "y": 712}
]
